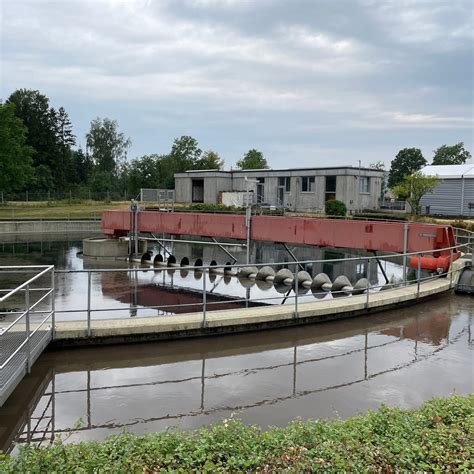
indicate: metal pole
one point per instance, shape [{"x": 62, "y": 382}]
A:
[
  {"x": 204, "y": 299},
  {"x": 405, "y": 250},
  {"x": 248, "y": 211},
  {"x": 89, "y": 280},
  {"x": 28, "y": 348},
  {"x": 136, "y": 231},
  {"x": 450, "y": 268},
  {"x": 368, "y": 287},
  {"x": 53, "y": 308},
  {"x": 418, "y": 276},
  {"x": 296, "y": 294}
]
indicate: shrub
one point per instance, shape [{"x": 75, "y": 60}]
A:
[{"x": 335, "y": 208}]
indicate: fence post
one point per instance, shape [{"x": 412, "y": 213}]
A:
[
  {"x": 26, "y": 194},
  {"x": 204, "y": 300},
  {"x": 89, "y": 280},
  {"x": 28, "y": 345},
  {"x": 296, "y": 293},
  {"x": 53, "y": 308},
  {"x": 418, "y": 276}
]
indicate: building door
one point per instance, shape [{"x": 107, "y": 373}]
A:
[
  {"x": 330, "y": 188},
  {"x": 198, "y": 190},
  {"x": 260, "y": 190}
]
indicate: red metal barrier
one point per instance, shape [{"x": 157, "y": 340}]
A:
[{"x": 357, "y": 234}]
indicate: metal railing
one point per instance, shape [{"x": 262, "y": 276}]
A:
[
  {"x": 294, "y": 294},
  {"x": 23, "y": 339}
]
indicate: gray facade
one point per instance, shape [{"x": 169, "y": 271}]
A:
[
  {"x": 305, "y": 189},
  {"x": 454, "y": 196}
]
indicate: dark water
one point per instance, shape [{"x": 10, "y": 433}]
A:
[{"x": 337, "y": 369}]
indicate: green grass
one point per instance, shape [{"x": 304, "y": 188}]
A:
[
  {"x": 59, "y": 209},
  {"x": 438, "y": 437}
]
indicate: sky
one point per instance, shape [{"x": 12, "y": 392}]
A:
[{"x": 307, "y": 82}]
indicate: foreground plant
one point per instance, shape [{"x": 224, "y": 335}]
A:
[{"x": 437, "y": 437}]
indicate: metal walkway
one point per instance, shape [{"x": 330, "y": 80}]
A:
[{"x": 26, "y": 321}]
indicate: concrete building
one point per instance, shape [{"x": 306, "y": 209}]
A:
[
  {"x": 298, "y": 189},
  {"x": 454, "y": 196}
]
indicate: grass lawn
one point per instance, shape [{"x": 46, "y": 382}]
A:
[
  {"x": 59, "y": 209},
  {"x": 438, "y": 437}
]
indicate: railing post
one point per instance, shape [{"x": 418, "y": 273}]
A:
[
  {"x": 28, "y": 346},
  {"x": 204, "y": 299},
  {"x": 450, "y": 268},
  {"x": 368, "y": 286},
  {"x": 405, "y": 250},
  {"x": 53, "y": 306},
  {"x": 89, "y": 281},
  {"x": 296, "y": 293},
  {"x": 418, "y": 276}
]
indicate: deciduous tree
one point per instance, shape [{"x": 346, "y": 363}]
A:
[
  {"x": 414, "y": 187},
  {"x": 253, "y": 159},
  {"x": 106, "y": 146},
  {"x": 210, "y": 160},
  {"x": 451, "y": 155},
  {"x": 405, "y": 163}
]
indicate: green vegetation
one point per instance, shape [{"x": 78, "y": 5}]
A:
[
  {"x": 413, "y": 187},
  {"x": 335, "y": 208},
  {"x": 59, "y": 210},
  {"x": 252, "y": 160},
  {"x": 435, "y": 438},
  {"x": 405, "y": 163},
  {"x": 451, "y": 155}
]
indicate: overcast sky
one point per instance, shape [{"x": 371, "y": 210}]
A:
[{"x": 309, "y": 83}]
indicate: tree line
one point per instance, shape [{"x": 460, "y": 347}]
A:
[{"x": 38, "y": 152}]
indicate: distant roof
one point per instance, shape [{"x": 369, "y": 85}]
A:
[
  {"x": 449, "y": 171},
  {"x": 266, "y": 170}
]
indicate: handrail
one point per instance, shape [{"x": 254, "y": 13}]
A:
[{"x": 26, "y": 283}]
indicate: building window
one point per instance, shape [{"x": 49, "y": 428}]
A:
[
  {"x": 364, "y": 184},
  {"x": 330, "y": 188},
  {"x": 285, "y": 183},
  {"x": 308, "y": 184}
]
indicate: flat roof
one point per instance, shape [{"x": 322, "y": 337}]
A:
[
  {"x": 272, "y": 170},
  {"x": 449, "y": 171}
]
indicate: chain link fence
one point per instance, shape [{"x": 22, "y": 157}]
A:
[{"x": 65, "y": 196}]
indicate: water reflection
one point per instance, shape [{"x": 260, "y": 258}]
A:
[
  {"x": 131, "y": 294},
  {"x": 332, "y": 369}
]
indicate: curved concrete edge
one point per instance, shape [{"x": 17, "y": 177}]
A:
[{"x": 113, "y": 331}]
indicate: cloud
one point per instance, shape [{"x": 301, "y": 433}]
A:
[{"x": 325, "y": 75}]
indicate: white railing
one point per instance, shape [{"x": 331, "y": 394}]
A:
[{"x": 32, "y": 307}]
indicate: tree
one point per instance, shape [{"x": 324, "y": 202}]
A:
[
  {"x": 451, "y": 155},
  {"x": 380, "y": 166},
  {"x": 210, "y": 160},
  {"x": 16, "y": 164},
  {"x": 185, "y": 153},
  {"x": 107, "y": 146},
  {"x": 144, "y": 172},
  {"x": 33, "y": 109},
  {"x": 49, "y": 132},
  {"x": 405, "y": 163},
  {"x": 377, "y": 165},
  {"x": 414, "y": 187},
  {"x": 252, "y": 160}
]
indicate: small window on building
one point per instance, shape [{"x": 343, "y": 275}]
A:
[
  {"x": 364, "y": 184},
  {"x": 330, "y": 187},
  {"x": 285, "y": 182},
  {"x": 308, "y": 184}
]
